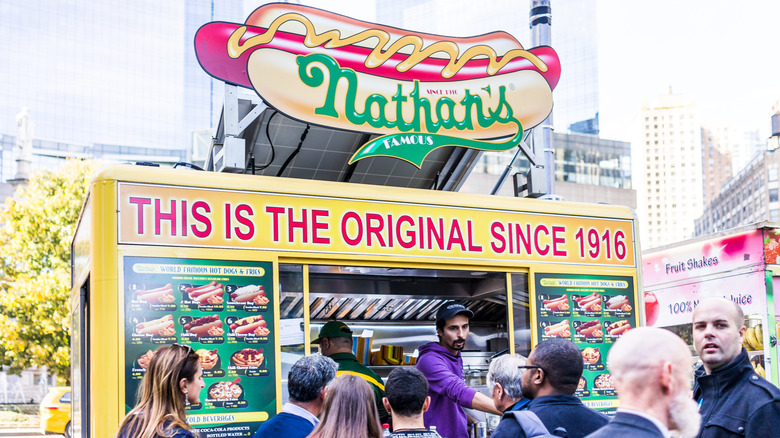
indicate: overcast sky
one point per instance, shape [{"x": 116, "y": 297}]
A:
[{"x": 722, "y": 53}]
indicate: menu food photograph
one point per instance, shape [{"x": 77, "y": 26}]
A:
[
  {"x": 592, "y": 311},
  {"x": 223, "y": 311}
]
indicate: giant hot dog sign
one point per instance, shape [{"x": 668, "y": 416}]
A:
[{"x": 418, "y": 91}]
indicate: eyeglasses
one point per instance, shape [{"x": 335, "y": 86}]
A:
[
  {"x": 188, "y": 347},
  {"x": 530, "y": 367}
]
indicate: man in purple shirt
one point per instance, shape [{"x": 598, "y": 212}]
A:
[{"x": 442, "y": 365}]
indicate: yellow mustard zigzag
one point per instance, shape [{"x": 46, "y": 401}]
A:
[{"x": 332, "y": 40}]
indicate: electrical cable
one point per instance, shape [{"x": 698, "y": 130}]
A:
[
  {"x": 187, "y": 165},
  {"x": 295, "y": 152},
  {"x": 273, "y": 150}
]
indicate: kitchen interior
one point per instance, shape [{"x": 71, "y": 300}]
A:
[{"x": 392, "y": 310}]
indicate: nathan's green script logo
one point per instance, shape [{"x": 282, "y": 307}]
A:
[{"x": 418, "y": 136}]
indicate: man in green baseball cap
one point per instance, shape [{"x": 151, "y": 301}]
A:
[
  {"x": 333, "y": 329},
  {"x": 335, "y": 340}
]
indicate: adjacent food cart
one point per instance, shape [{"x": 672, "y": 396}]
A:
[
  {"x": 739, "y": 264},
  {"x": 245, "y": 269}
]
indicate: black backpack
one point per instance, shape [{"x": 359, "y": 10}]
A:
[{"x": 533, "y": 426}]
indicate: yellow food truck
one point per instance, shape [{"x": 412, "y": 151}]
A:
[
  {"x": 363, "y": 133},
  {"x": 245, "y": 269}
]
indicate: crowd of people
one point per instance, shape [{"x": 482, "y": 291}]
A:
[{"x": 331, "y": 395}]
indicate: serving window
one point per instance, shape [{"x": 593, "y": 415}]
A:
[{"x": 392, "y": 309}]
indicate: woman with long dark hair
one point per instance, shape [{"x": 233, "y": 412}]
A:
[
  {"x": 173, "y": 380},
  {"x": 349, "y": 410}
]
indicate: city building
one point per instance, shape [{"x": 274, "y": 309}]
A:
[
  {"x": 715, "y": 164},
  {"x": 116, "y": 81},
  {"x": 667, "y": 169},
  {"x": 749, "y": 197},
  {"x": 742, "y": 144},
  {"x": 774, "y": 141},
  {"x": 587, "y": 169}
]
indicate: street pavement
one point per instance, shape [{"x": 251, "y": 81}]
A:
[
  {"x": 28, "y": 435},
  {"x": 26, "y": 432}
]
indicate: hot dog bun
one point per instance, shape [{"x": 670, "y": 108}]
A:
[
  {"x": 201, "y": 326},
  {"x": 203, "y": 330},
  {"x": 194, "y": 295},
  {"x": 192, "y": 289},
  {"x": 531, "y": 99},
  {"x": 203, "y": 298},
  {"x": 405, "y": 49},
  {"x": 324, "y": 21},
  {"x": 618, "y": 327},
  {"x": 249, "y": 328},
  {"x": 589, "y": 328},
  {"x": 246, "y": 321},
  {"x": 264, "y": 54},
  {"x": 141, "y": 292},
  {"x": 159, "y": 326},
  {"x": 248, "y": 297},
  {"x": 157, "y": 297},
  {"x": 617, "y": 301},
  {"x": 302, "y": 30},
  {"x": 560, "y": 329},
  {"x": 142, "y": 325}
]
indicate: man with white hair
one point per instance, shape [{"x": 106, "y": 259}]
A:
[
  {"x": 734, "y": 401},
  {"x": 504, "y": 383},
  {"x": 651, "y": 371}
]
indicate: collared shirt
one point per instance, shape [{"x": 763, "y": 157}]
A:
[
  {"x": 521, "y": 405},
  {"x": 299, "y": 411},
  {"x": 662, "y": 427}
]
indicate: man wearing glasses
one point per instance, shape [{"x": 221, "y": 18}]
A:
[{"x": 553, "y": 371}]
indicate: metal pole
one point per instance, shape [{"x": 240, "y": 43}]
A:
[
  {"x": 505, "y": 173},
  {"x": 540, "y": 21}
]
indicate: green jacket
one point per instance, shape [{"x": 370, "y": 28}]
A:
[{"x": 348, "y": 364}]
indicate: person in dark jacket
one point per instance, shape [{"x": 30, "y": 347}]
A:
[
  {"x": 504, "y": 381},
  {"x": 553, "y": 371},
  {"x": 442, "y": 365},
  {"x": 307, "y": 385},
  {"x": 651, "y": 371},
  {"x": 733, "y": 400}
]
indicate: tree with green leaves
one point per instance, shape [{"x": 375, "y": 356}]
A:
[{"x": 36, "y": 229}]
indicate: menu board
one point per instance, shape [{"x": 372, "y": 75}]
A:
[
  {"x": 224, "y": 311},
  {"x": 592, "y": 311}
]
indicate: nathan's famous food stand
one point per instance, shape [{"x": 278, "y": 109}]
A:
[
  {"x": 246, "y": 269},
  {"x": 739, "y": 264},
  {"x": 241, "y": 268}
]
